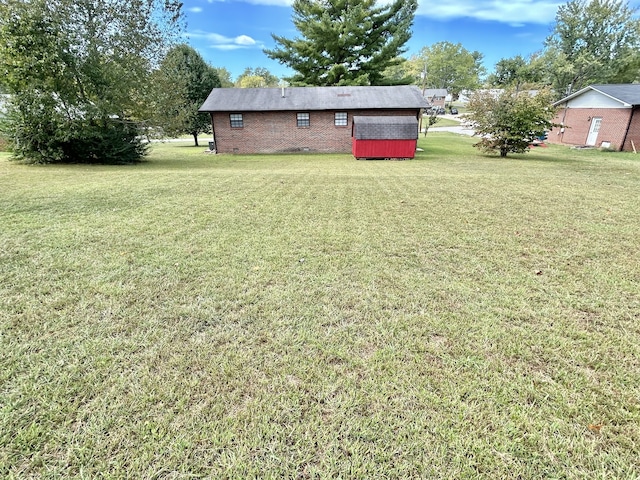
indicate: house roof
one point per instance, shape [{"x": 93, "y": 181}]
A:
[
  {"x": 313, "y": 98},
  {"x": 435, "y": 92},
  {"x": 385, "y": 128},
  {"x": 625, "y": 93}
]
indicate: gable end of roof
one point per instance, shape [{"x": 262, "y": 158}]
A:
[{"x": 627, "y": 94}]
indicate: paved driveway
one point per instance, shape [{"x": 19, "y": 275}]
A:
[
  {"x": 454, "y": 129},
  {"x": 460, "y": 129}
]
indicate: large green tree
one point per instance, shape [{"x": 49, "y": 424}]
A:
[
  {"x": 517, "y": 72},
  {"x": 593, "y": 41},
  {"x": 183, "y": 83},
  {"x": 400, "y": 73},
  {"x": 225, "y": 77},
  {"x": 258, "y": 77},
  {"x": 450, "y": 66},
  {"x": 78, "y": 71},
  {"x": 345, "y": 42},
  {"x": 510, "y": 122}
]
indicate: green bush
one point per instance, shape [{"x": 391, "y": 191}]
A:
[
  {"x": 39, "y": 131},
  {"x": 107, "y": 140}
]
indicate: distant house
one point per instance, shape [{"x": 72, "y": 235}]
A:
[
  {"x": 295, "y": 119},
  {"x": 436, "y": 96},
  {"x": 600, "y": 116}
]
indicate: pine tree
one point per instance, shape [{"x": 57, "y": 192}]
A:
[{"x": 345, "y": 42}]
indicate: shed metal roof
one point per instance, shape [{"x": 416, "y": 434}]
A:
[
  {"x": 313, "y": 98},
  {"x": 385, "y": 128}
]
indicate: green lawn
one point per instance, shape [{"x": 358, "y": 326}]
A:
[
  {"x": 314, "y": 316},
  {"x": 447, "y": 122}
]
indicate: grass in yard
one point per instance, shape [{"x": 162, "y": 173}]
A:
[
  {"x": 314, "y": 316},
  {"x": 446, "y": 122}
]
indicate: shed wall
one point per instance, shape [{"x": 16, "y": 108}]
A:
[{"x": 384, "y": 148}]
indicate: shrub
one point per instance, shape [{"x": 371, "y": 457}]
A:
[{"x": 39, "y": 131}]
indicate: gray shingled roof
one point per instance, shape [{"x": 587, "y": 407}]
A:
[
  {"x": 628, "y": 93},
  {"x": 385, "y": 128},
  {"x": 313, "y": 98},
  {"x": 435, "y": 92}
]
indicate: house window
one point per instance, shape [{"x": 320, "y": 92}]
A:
[
  {"x": 303, "y": 119},
  {"x": 236, "y": 120},
  {"x": 340, "y": 119}
]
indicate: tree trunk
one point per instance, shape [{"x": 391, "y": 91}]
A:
[
  {"x": 503, "y": 152},
  {"x": 195, "y": 138}
]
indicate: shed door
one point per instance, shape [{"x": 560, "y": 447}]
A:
[{"x": 593, "y": 131}]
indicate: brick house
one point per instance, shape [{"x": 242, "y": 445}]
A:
[
  {"x": 296, "y": 119},
  {"x": 436, "y": 96},
  {"x": 599, "y": 116}
]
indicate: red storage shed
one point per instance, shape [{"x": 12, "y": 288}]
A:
[{"x": 384, "y": 136}]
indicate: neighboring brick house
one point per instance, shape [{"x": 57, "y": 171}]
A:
[
  {"x": 436, "y": 96},
  {"x": 599, "y": 116},
  {"x": 295, "y": 119}
]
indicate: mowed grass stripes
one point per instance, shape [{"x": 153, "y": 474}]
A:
[{"x": 314, "y": 316}]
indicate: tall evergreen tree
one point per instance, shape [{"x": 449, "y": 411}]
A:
[{"x": 345, "y": 42}]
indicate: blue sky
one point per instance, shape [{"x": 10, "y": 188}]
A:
[{"x": 233, "y": 33}]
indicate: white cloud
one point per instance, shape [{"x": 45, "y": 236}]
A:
[
  {"x": 245, "y": 40},
  {"x": 507, "y": 11},
  {"x": 195, "y": 9},
  {"x": 222, "y": 42},
  {"x": 514, "y": 12}
]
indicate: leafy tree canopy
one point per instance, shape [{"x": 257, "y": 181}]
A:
[
  {"x": 399, "y": 73},
  {"x": 257, "y": 78},
  {"x": 77, "y": 71},
  {"x": 517, "y": 72},
  {"x": 183, "y": 83},
  {"x": 224, "y": 76},
  {"x": 510, "y": 122},
  {"x": 593, "y": 41},
  {"x": 448, "y": 65},
  {"x": 345, "y": 42}
]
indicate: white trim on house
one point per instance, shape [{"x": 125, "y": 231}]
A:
[
  {"x": 627, "y": 94},
  {"x": 592, "y": 98}
]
